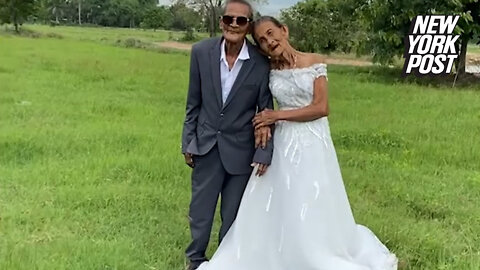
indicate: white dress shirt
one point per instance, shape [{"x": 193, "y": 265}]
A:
[{"x": 228, "y": 76}]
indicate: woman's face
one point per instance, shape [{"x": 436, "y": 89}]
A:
[{"x": 273, "y": 40}]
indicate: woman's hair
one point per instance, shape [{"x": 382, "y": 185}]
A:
[{"x": 261, "y": 20}]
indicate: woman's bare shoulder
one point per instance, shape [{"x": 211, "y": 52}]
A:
[{"x": 315, "y": 58}]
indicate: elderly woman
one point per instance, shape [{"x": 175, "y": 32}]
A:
[{"x": 297, "y": 215}]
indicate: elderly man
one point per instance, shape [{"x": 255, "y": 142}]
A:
[{"x": 228, "y": 85}]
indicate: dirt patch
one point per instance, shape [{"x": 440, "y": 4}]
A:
[
  {"x": 329, "y": 60},
  {"x": 174, "y": 45},
  {"x": 472, "y": 58},
  {"x": 347, "y": 62}
]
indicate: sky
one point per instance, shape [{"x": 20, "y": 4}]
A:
[{"x": 273, "y": 7}]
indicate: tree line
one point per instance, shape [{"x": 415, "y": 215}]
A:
[
  {"x": 201, "y": 15},
  {"x": 367, "y": 27},
  {"x": 375, "y": 27},
  {"x": 181, "y": 15}
]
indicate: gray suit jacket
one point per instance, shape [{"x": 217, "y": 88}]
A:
[{"x": 209, "y": 122}]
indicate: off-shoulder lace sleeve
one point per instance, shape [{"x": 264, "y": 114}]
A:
[{"x": 320, "y": 70}]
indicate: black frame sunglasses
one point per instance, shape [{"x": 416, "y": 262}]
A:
[{"x": 240, "y": 20}]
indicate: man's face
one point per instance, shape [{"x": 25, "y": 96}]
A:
[{"x": 235, "y": 32}]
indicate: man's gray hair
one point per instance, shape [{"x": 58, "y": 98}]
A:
[{"x": 244, "y": 2}]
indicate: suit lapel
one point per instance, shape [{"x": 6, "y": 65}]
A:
[
  {"x": 215, "y": 63},
  {"x": 242, "y": 75}
]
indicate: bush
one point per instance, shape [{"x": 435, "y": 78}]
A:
[
  {"x": 132, "y": 43},
  {"x": 54, "y": 35},
  {"x": 24, "y": 32},
  {"x": 189, "y": 35}
]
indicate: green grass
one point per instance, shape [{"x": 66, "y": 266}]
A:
[
  {"x": 473, "y": 48},
  {"x": 91, "y": 175},
  {"x": 108, "y": 35}
]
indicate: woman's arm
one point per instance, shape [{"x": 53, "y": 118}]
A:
[{"x": 317, "y": 109}]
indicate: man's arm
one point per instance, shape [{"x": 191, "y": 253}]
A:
[
  {"x": 194, "y": 101},
  {"x": 265, "y": 100}
]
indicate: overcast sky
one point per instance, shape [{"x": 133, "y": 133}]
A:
[{"x": 272, "y": 8}]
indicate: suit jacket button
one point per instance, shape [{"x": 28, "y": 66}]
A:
[
  {"x": 219, "y": 132},
  {"x": 221, "y": 114}
]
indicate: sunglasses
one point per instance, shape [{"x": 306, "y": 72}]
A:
[{"x": 241, "y": 21}]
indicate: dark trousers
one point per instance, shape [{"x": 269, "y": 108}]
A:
[{"x": 209, "y": 180}]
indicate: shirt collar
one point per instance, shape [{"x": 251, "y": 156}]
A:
[{"x": 243, "y": 55}]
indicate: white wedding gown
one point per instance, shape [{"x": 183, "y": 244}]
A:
[{"x": 297, "y": 216}]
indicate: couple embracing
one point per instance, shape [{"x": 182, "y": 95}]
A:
[{"x": 283, "y": 201}]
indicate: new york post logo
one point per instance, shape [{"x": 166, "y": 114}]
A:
[{"x": 430, "y": 48}]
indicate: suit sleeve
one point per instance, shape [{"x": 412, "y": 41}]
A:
[
  {"x": 194, "y": 101},
  {"x": 265, "y": 100}
]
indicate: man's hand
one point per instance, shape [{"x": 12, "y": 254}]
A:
[
  {"x": 189, "y": 160},
  {"x": 265, "y": 118},
  {"x": 261, "y": 170},
  {"x": 262, "y": 136}
]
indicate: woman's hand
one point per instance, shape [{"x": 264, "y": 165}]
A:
[{"x": 265, "y": 118}]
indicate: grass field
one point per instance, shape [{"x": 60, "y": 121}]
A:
[
  {"x": 473, "y": 48},
  {"x": 146, "y": 39},
  {"x": 107, "y": 34},
  {"x": 91, "y": 175}
]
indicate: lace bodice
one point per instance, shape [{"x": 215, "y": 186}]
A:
[{"x": 293, "y": 88}]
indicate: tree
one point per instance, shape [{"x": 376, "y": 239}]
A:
[
  {"x": 212, "y": 10},
  {"x": 125, "y": 13},
  {"x": 184, "y": 17},
  {"x": 79, "y": 12},
  {"x": 56, "y": 8},
  {"x": 469, "y": 28},
  {"x": 321, "y": 26},
  {"x": 16, "y": 11},
  {"x": 42, "y": 11},
  {"x": 119, "y": 13},
  {"x": 158, "y": 17},
  {"x": 388, "y": 23}
]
